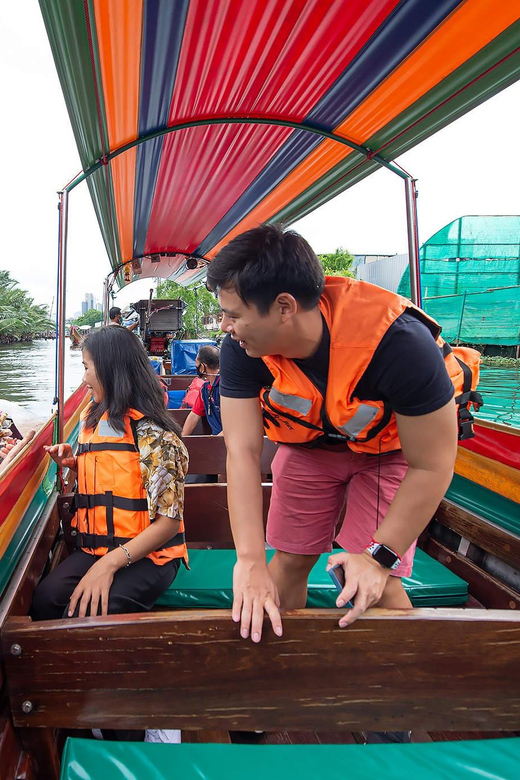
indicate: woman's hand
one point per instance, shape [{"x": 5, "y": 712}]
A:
[
  {"x": 11, "y": 447},
  {"x": 94, "y": 588},
  {"x": 62, "y": 454}
]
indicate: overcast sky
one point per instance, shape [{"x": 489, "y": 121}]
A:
[{"x": 471, "y": 167}]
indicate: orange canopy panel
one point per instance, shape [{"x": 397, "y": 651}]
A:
[{"x": 198, "y": 119}]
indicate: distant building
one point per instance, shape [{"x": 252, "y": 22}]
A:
[
  {"x": 384, "y": 270},
  {"x": 211, "y": 321}
]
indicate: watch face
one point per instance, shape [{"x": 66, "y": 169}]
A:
[{"x": 385, "y": 556}]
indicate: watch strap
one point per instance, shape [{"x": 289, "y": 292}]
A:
[{"x": 383, "y": 554}]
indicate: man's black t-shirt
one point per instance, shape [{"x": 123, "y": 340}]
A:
[{"x": 407, "y": 370}]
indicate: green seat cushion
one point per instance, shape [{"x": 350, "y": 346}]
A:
[
  {"x": 209, "y": 583},
  {"x": 91, "y": 759}
]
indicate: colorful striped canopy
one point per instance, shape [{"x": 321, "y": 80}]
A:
[{"x": 198, "y": 119}]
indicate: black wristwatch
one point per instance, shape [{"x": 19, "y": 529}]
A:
[{"x": 383, "y": 555}]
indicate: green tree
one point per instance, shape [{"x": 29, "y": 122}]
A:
[
  {"x": 338, "y": 263},
  {"x": 89, "y": 318},
  {"x": 199, "y": 302},
  {"x": 20, "y": 317}
]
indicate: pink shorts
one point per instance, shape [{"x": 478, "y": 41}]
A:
[{"x": 310, "y": 488}]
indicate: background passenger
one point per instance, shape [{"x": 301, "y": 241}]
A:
[{"x": 207, "y": 403}]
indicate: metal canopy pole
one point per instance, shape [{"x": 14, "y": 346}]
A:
[
  {"x": 62, "y": 288},
  {"x": 106, "y": 301},
  {"x": 413, "y": 240}
]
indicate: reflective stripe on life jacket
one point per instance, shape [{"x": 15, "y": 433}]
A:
[
  {"x": 111, "y": 503},
  {"x": 358, "y": 315}
]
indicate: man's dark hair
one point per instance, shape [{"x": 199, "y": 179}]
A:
[
  {"x": 266, "y": 261},
  {"x": 113, "y": 312},
  {"x": 209, "y": 355},
  {"x": 127, "y": 378}
]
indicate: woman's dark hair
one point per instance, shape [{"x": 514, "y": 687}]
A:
[
  {"x": 266, "y": 261},
  {"x": 209, "y": 355},
  {"x": 127, "y": 378}
]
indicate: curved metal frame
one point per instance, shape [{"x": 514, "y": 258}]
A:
[
  {"x": 410, "y": 193},
  {"x": 236, "y": 120}
]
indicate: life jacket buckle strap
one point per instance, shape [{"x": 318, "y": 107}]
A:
[
  {"x": 93, "y": 541},
  {"x": 91, "y": 500}
]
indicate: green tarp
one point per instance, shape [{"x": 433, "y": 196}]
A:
[
  {"x": 208, "y": 584},
  {"x": 494, "y": 759}
]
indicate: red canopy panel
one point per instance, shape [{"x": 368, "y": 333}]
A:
[{"x": 198, "y": 119}]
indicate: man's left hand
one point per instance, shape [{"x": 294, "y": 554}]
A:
[{"x": 365, "y": 581}]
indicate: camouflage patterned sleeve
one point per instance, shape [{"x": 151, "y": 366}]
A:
[{"x": 164, "y": 464}]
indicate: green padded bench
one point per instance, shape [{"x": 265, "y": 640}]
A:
[
  {"x": 208, "y": 583},
  {"x": 90, "y": 759}
]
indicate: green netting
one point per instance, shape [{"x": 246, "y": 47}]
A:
[
  {"x": 491, "y": 317},
  {"x": 470, "y": 279},
  {"x": 476, "y": 237},
  {"x": 453, "y": 277}
]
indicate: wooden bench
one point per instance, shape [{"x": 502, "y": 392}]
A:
[
  {"x": 208, "y": 455},
  {"x": 391, "y": 670},
  {"x": 178, "y": 381},
  {"x": 462, "y": 539},
  {"x": 201, "y": 429}
]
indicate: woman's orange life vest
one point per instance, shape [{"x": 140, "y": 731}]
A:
[
  {"x": 358, "y": 315},
  {"x": 111, "y": 502}
]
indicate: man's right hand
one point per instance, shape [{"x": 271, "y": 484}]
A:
[{"x": 254, "y": 593}]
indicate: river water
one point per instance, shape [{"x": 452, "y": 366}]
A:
[{"x": 27, "y": 379}]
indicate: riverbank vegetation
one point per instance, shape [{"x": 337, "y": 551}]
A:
[
  {"x": 20, "y": 318},
  {"x": 90, "y": 317}
]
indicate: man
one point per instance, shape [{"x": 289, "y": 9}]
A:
[
  {"x": 114, "y": 317},
  {"x": 207, "y": 403},
  {"x": 385, "y": 435}
]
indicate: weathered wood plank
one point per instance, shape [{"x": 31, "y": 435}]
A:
[
  {"x": 207, "y": 517},
  {"x": 429, "y": 669},
  {"x": 18, "y": 595},
  {"x": 489, "y": 537},
  {"x": 206, "y": 735},
  {"x": 486, "y": 588},
  {"x": 201, "y": 429},
  {"x": 178, "y": 381},
  {"x": 208, "y": 454}
]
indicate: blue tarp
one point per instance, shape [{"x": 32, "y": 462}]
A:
[
  {"x": 175, "y": 398},
  {"x": 183, "y": 354}
]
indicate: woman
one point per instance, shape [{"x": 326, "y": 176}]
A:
[{"x": 130, "y": 468}]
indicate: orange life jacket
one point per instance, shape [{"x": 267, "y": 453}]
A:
[
  {"x": 111, "y": 502},
  {"x": 358, "y": 315}
]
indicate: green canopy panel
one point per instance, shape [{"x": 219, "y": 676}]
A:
[
  {"x": 209, "y": 583},
  {"x": 85, "y": 759}
]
